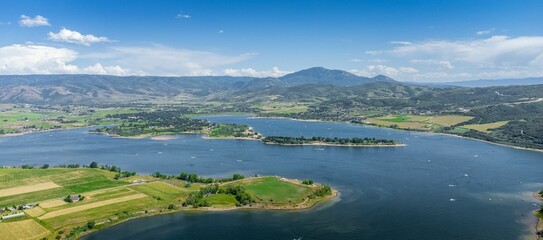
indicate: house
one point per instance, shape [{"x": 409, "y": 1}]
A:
[
  {"x": 138, "y": 181},
  {"x": 11, "y": 209}
]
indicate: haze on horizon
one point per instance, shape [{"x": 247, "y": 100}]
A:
[{"x": 431, "y": 41}]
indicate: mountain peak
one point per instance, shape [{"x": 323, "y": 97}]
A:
[{"x": 320, "y": 75}]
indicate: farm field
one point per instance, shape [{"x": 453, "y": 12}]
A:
[
  {"x": 416, "y": 122},
  {"x": 66, "y": 201},
  {"x": 485, "y": 127},
  {"x": 16, "y": 119}
]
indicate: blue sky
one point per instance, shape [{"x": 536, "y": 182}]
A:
[{"x": 406, "y": 40}]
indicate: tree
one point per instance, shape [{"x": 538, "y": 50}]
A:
[
  {"x": 93, "y": 165},
  {"x": 91, "y": 224},
  {"x": 45, "y": 166}
]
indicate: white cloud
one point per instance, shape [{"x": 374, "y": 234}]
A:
[
  {"x": 496, "y": 50},
  {"x": 409, "y": 70},
  {"x": 485, "y": 32},
  {"x": 36, "y": 21},
  {"x": 221, "y": 31},
  {"x": 373, "y": 70},
  {"x": 69, "y": 36},
  {"x": 167, "y": 61},
  {"x": 453, "y": 60},
  {"x": 38, "y": 59},
  {"x": 442, "y": 63},
  {"x": 355, "y": 60},
  {"x": 183, "y": 15},
  {"x": 251, "y": 72},
  {"x": 5, "y": 23}
]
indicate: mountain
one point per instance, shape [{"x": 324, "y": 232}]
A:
[
  {"x": 320, "y": 75},
  {"x": 89, "y": 89},
  {"x": 494, "y": 83}
]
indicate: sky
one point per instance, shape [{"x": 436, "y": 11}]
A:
[{"x": 421, "y": 41}]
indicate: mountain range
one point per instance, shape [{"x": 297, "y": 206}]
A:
[{"x": 313, "y": 83}]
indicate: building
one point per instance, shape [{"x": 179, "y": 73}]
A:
[
  {"x": 13, "y": 216},
  {"x": 74, "y": 198}
]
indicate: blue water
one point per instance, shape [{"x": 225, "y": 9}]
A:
[{"x": 437, "y": 187}]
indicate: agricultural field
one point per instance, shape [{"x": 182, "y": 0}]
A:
[
  {"x": 282, "y": 107},
  {"x": 17, "y": 119},
  {"x": 416, "y": 122},
  {"x": 68, "y": 202},
  {"x": 486, "y": 128},
  {"x": 104, "y": 199}
]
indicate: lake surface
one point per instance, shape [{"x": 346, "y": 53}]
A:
[{"x": 437, "y": 187}]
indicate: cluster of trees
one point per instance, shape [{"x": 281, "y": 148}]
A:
[
  {"x": 340, "y": 141},
  {"x": 321, "y": 192},
  {"x": 76, "y": 230},
  {"x": 231, "y": 130},
  {"x": 194, "y": 178},
  {"x": 198, "y": 199},
  {"x": 307, "y": 182},
  {"x": 68, "y": 198},
  {"x": 156, "y": 126}
]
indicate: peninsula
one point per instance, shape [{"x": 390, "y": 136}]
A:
[
  {"x": 69, "y": 201},
  {"x": 165, "y": 123}
]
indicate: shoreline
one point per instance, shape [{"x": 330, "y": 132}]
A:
[
  {"x": 167, "y": 137},
  {"x": 539, "y": 222},
  {"x": 335, "y": 145},
  {"x": 294, "y": 119},
  {"x": 305, "y": 205},
  {"x": 411, "y": 131}
]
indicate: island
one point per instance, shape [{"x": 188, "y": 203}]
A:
[
  {"x": 322, "y": 141},
  {"x": 69, "y": 201}
]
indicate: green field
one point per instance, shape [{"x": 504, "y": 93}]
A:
[
  {"x": 273, "y": 189},
  {"x": 16, "y": 119},
  {"x": 108, "y": 201}
]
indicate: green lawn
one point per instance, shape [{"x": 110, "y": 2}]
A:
[
  {"x": 222, "y": 200},
  {"x": 272, "y": 189}
]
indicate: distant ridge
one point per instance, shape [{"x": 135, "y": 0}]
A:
[
  {"x": 76, "y": 89},
  {"x": 491, "y": 82}
]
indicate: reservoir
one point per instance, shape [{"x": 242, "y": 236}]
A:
[{"x": 436, "y": 187}]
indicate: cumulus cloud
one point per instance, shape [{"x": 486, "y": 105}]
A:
[
  {"x": 38, "y": 59},
  {"x": 36, "y": 21},
  {"x": 373, "y": 70},
  {"x": 451, "y": 60},
  {"x": 251, "y": 72},
  {"x": 495, "y": 50},
  {"x": 69, "y": 36}
]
